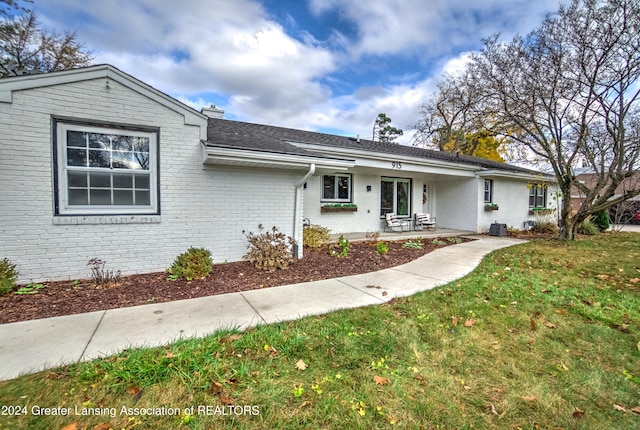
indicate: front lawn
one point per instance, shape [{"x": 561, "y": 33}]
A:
[{"x": 543, "y": 335}]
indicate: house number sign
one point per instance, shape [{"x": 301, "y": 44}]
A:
[{"x": 396, "y": 165}]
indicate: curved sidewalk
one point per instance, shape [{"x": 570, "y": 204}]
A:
[{"x": 31, "y": 346}]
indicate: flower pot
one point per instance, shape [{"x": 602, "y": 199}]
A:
[{"x": 324, "y": 209}]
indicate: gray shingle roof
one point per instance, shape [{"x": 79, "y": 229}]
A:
[{"x": 267, "y": 138}]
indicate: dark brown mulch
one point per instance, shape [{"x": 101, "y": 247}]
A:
[{"x": 66, "y": 298}]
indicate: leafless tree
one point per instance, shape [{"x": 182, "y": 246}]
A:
[
  {"x": 569, "y": 93},
  {"x": 26, "y": 47}
]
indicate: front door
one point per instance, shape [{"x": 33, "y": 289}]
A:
[{"x": 395, "y": 196}]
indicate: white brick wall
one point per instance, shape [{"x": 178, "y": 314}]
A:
[
  {"x": 456, "y": 203},
  {"x": 512, "y": 197},
  {"x": 200, "y": 207}
]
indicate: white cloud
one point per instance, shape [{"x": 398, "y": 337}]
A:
[
  {"x": 434, "y": 27},
  {"x": 236, "y": 51},
  {"x": 227, "y": 47}
]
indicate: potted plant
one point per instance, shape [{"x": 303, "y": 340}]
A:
[
  {"x": 339, "y": 207},
  {"x": 491, "y": 207},
  {"x": 541, "y": 211}
]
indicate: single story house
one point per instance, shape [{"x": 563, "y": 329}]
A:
[{"x": 97, "y": 164}]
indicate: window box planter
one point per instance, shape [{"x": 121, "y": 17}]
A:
[
  {"x": 491, "y": 207},
  {"x": 339, "y": 207},
  {"x": 541, "y": 211}
]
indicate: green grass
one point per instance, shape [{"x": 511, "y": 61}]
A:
[{"x": 541, "y": 336}]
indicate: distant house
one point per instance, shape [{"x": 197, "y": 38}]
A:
[
  {"x": 95, "y": 163},
  {"x": 623, "y": 213}
]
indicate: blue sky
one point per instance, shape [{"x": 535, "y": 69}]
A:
[{"x": 323, "y": 65}]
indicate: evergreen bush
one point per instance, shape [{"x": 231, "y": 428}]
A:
[
  {"x": 196, "y": 263},
  {"x": 8, "y": 275}
]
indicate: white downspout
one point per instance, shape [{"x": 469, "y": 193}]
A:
[{"x": 297, "y": 216}]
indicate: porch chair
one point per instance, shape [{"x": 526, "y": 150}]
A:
[
  {"x": 395, "y": 224},
  {"x": 423, "y": 220}
]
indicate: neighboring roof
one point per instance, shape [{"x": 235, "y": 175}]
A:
[
  {"x": 257, "y": 137},
  {"x": 24, "y": 82},
  {"x": 591, "y": 180}
]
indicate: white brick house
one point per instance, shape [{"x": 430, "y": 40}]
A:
[{"x": 95, "y": 163}]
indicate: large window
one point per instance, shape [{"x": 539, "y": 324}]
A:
[
  {"x": 336, "y": 188},
  {"x": 537, "y": 196},
  {"x": 395, "y": 196},
  {"x": 103, "y": 170}
]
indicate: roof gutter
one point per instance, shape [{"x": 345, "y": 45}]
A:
[
  {"x": 297, "y": 210},
  {"x": 516, "y": 175}
]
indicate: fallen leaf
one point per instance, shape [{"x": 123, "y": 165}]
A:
[
  {"x": 73, "y": 426},
  {"x": 493, "y": 409},
  {"x": 469, "y": 323},
  {"x": 578, "y": 413},
  {"x": 215, "y": 388},
  {"x": 564, "y": 367},
  {"x": 454, "y": 321},
  {"x": 532, "y": 342},
  {"x": 384, "y": 293},
  {"x": 532, "y": 323},
  {"x": 619, "y": 408},
  {"x": 169, "y": 355},
  {"x": 226, "y": 399},
  {"x": 549, "y": 324},
  {"x": 103, "y": 426},
  {"x": 634, "y": 280},
  {"x": 301, "y": 365},
  {"x": 561, "y": 312},
  {"x": 378, "y": 287},
  {"x": 135, "y": 391},
  {"x": 234, "y": 337},
  {"x": 381, "y": 380},
  {"x": 636, "y": 410},
  {"x": 305, "y": 403},
  {"x": 530, "y": 398}
]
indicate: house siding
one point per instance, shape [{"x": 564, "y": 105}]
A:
[
  {"x": 367, "y": 217},
  {"x": 456, "y": 203},
  {"x": 512, "y": 197},
  {"x": 199, "y": 207}
]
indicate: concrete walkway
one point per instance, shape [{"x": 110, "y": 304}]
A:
[{"x": 31, "y": 346}]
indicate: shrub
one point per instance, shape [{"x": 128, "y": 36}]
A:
[
  {"x": 382, "y": 248},
  {"x": 315, "y": 236},
  {"x": 196, "y": 263},
  {"x": 545, "y": 227},
  {"x": 601, "y": 220},
  {"x": 413, "y": 244},
  {"x": 8, "y": 275},
  {"x": 344, "y": 245},
  {"x": 270, "y": 250},
  {"x": 588, "y": 227},
  {"x": 101, "y": 276},
  {"x": 371, "y": 237}
]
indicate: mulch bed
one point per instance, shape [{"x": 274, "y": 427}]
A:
[{"x": 66, "y": 297}]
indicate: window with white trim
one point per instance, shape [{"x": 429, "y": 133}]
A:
[
  {"x": 336, "y": 188},
  {"x": 537, "y": 196},
  {"x": 395, "y": 196},
  {"x": 105, "y": 170},
  {"x": 488, "y": 191}
]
